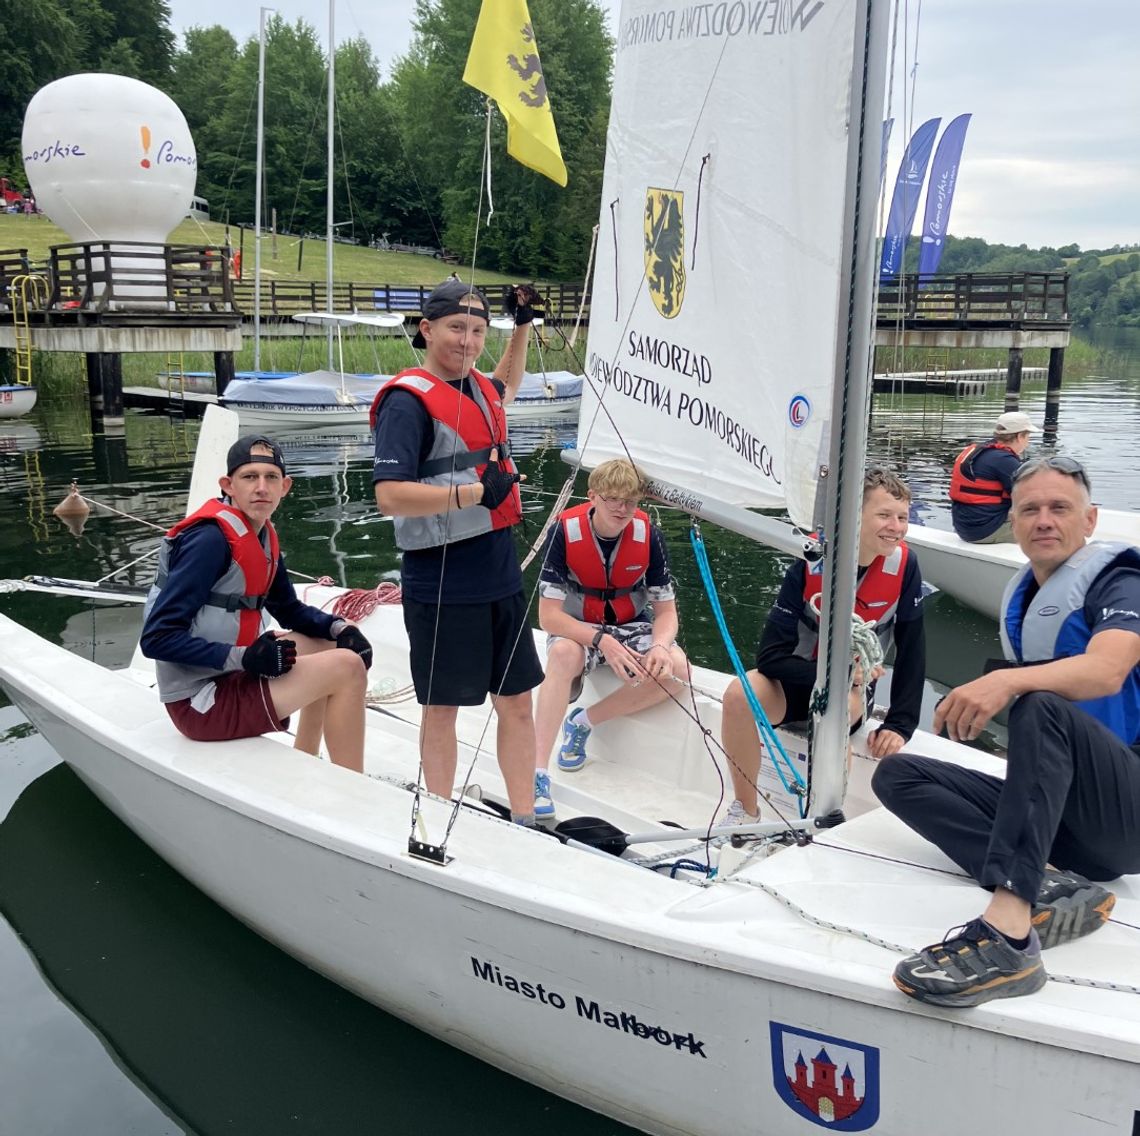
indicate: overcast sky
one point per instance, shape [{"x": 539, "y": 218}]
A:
[{"x": 1053, "y": 150}]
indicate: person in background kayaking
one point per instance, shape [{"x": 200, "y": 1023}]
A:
[
  {"x": 1067, "y": 811},
  {"x": 605, "y": 597},
  {"x": 981, "y": 479},
  {"x": 889, "y": 591},
  {"x": 443, "y": 471},
  {"x": 221, "y": 673}
]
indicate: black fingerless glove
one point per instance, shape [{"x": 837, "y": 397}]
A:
[
  {"x": 524, "y": 308},
  {"x": 269, "y": 656},
  {"x": 351, "y": 639},
  {"x": 497, "y": 484}
]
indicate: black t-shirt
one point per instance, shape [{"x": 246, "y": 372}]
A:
[{"x": 477, "y": 570}]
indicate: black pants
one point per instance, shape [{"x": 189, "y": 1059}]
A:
[{"x": 1070, "y": 798}]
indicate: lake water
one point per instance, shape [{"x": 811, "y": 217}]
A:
[{"x": 129, "y": 1003}]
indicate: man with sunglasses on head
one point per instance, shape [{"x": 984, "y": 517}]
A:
[
  {"x": 442, "y": 471},
  {"x": 1068, "y": 810},
  {"x": 605, "y": 597},
  {"x": 981, "y": 480}
]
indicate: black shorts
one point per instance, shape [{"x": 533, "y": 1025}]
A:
[
  {"x": 797, "y": 699},
  {"x": 478, "y": 649}
]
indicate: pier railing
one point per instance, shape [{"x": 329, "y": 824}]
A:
[
  {"x": 108, "y": 277},
  {"x": 977, "y": 298}
]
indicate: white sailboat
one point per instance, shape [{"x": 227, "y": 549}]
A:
[
  {"x": 756, "y": 1000},
  {"x": 976, "y": 574}
]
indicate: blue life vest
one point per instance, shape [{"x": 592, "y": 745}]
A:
[{"x": 1055, "y": 627}]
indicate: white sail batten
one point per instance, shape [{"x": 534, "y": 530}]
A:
[{"x": 721, "y": 377}]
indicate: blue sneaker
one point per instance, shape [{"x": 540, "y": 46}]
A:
[
  {"x": 543, "y": 802},
  {"x": 572, "y": 755}
]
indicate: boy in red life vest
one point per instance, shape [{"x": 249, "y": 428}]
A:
[
  {"x": 221, "y": 674},
  {"x": 889, "y": 591},
  {"x": 606, "y": 596},
  {"x": 443, "y": 472},
  {"x": 982, "y": 479}
]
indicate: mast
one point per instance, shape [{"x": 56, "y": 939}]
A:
[
  {"x": 329, "y": 226},
  {"x": 259, "y": 173},
  {"x": 851, "y": 402}
]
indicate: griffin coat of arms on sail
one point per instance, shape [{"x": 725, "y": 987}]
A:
[{"x": 665, "y": 249}]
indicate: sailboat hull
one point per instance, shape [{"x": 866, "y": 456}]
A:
[
  {"x": 16, "y": 401},
  {"x": 977, "y": 574},
  {"x": 673, "y": 1008}
]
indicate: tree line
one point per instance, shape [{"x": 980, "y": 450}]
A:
[{"x": 408, "y": 146}]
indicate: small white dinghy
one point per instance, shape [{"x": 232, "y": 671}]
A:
[{"x": 977, "y": 574}]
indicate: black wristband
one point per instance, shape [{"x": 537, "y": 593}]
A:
[{"x": 597, "y": 640}]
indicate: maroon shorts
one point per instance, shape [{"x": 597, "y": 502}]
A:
[{"x": 243, "y": 708}]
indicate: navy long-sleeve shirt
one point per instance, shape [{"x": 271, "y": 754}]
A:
[
  {"x": 199, "y": 558},
  {"x": 776, "y": 657}
]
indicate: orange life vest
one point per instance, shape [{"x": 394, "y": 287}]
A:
[
  {"x": 253, "y": 569},
  {"x": 465, "y": 434},
  {"x": 623, "y": 584},
  {"x": 969, "y": 490},
  {"x": 876, "y": 598}
]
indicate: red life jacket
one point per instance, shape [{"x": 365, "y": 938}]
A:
[
  {"x": 256, "y": 564},
  {"x": 876, "y": 596},
  {"x": 454, "y": 412},
  {"x": 969, "y": 490},
  {"x": 623, "y": 584}
]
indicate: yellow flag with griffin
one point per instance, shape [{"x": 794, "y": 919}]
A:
[{"x": 503, "y": 63}]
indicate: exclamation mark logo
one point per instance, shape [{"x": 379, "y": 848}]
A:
[{"x": 145, "y": 132}]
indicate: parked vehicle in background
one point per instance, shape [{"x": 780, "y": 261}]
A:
[{"x": 199, "y": 209}]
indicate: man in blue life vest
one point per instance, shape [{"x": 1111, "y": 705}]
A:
[
  {"x": 981, "y": 480},
  {"x": 1068, "y": 811},
  {"x": 221, "y": 673},
  {"x": 605, "y": 596},
  {"x": 443, "y": 471},
  {"x": 889, "y": 592}
]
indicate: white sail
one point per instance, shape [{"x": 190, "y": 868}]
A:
[{"x": 715, "y": 302}]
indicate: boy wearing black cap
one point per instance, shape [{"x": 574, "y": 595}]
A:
[
  {"x": 443, "y": 472},
  {"x": 221, "y": 673}
]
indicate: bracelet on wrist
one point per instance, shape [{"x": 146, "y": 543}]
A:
[
  {"x": 458, "y": 499},
  {"x": 598, "y": 636}
]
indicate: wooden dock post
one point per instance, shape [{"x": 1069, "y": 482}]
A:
[
  {"x": 1053, "y": 393},
  {"x": 1013, "y": 379},
  {"x": 223, "y": 371},
  {"x": 105, "y": 388}
]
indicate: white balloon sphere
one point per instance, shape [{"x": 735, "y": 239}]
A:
[{"x": 109, "y": 158}]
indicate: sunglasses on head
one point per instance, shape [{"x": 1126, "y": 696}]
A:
[{"x": 1062, "y": 464}]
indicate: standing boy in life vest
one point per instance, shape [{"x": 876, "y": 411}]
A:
[
  {"x": 888, "y": 591},
  {"x": 443, "y": 472},
  {"x": 982, "y": 478},
  {"x": 606, "y": 596},
  {"x": 221, "y": 673}
]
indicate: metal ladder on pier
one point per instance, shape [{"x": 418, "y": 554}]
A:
[{"x": 29, "y": 292}]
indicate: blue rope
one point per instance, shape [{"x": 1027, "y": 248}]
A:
[
  {"x": 688, "y": 866},
  {"x": 767, "y": 732}
]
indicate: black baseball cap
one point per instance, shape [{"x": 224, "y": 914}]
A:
[
  {"x": 449, "y": 299},
  {"x": 240, "y": 453}
]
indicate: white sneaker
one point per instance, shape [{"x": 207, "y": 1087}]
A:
[{"x": 735, "y": 814}]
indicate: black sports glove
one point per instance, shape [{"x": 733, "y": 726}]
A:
[
  {"x": 497, "y": 484},
  {"x": 269, "y": 656},
  {"x": 351, "y": 639},
  {"x": 524, "y": 303}
]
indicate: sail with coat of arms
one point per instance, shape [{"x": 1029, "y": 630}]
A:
[{"x": 717, "y": 318}]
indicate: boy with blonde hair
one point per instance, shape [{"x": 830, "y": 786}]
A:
[{"x": 605, "y": 596}]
